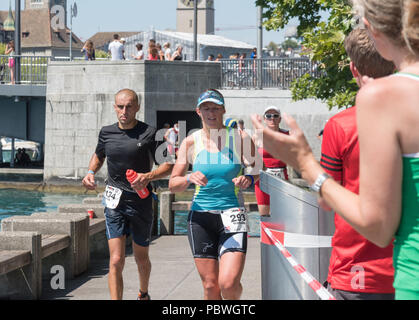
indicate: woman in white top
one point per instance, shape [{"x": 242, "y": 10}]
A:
[{"x": 167, "y": 51}]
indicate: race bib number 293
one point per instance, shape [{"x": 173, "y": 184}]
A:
[{"x": 235, "y": 220}]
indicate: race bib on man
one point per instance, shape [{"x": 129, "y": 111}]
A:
[
  {"x": 235, "y": 220},
  {"x": 277, "y": 172},
  {"x": 111, "y": 197}
]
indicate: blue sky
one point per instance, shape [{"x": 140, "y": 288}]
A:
[{"x": 139, "y": 15}]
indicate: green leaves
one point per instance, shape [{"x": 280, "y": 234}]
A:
[{"x": 323, "y": 26}]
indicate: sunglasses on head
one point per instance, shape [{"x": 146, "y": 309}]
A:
[{"x": 272, "y": 116}]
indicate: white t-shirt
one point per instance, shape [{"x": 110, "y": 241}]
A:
[
  {"x": 140, "y": 54},
  {"x": 168, "y": 54},
  {"x": 172, "y": 136},
  {"x": 116, "y": 48}
]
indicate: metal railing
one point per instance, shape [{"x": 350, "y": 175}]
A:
[
  {"x": 33, "y": 69},
  {"x": 265, "y": 73}
]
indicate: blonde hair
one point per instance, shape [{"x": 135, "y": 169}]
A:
[{"x": 397, "y": 19}]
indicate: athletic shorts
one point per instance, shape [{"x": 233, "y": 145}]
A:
[
  {"x": 262, "y": 198},
  {"x": 208, "y": 239},
  {"x": 133, "y": 215},
  {"x": 351, "y": 295}
]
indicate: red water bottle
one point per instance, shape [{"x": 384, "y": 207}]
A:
[{"x": 131, "y": 176}]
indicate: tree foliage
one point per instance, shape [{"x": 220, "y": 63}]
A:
[
  {"x": 2, "y": 48},
  {"x": 323, "y": 40}
]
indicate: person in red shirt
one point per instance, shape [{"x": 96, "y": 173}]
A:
[
  {"x": 272, "y": 118},
  {"x": 358, "y": 269}
]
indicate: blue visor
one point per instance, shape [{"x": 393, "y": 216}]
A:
[{"x": 210, "y": 96}]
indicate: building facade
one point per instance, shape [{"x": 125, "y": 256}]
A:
[{"x": 185, "y": 16}]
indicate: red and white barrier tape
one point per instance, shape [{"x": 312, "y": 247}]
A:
[{"x": 307, "y": 277}]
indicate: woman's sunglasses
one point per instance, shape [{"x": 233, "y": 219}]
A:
[{"x": 271, "y": 116}]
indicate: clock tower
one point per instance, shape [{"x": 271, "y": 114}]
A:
[{"x": 185, "y": 14}]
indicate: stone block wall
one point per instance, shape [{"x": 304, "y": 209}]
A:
[{"x": 80, "y": 97}]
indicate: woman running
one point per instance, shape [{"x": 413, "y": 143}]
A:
[
  {"x": 388, "y": 121},
  {"x": 272, "y": 119},
  {"x": 217, "y": 222}
]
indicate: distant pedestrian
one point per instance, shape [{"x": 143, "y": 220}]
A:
[
  {"x": 177, "y": 55},
  {"x": 140, "y": 52},
  {"x": 116, "y": 49},
  {"x": 167, "y": 51},
  {"x": 160, "y": 52},
  {"x": 171, "y": 137},
  {"x": 89, "y": 51},
  {"x": 219, "y": 57},
  {"x": 254, "y": 54},
  {"x": 154, "y": 54},
  {"x": 210, "y": 58},
  {"x": 151, "y": 45},
  {"x": 241, "y": 125},
  {"x": 10, "y": 50}
]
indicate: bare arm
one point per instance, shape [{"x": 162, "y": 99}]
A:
[
  {"x": 8, "y": 49},
  {"x": 94, "y": 165},
  {"x": 144, "y": 179},
  {"x": 375, "y": 213},
  {"x": 178, "y": 182}
]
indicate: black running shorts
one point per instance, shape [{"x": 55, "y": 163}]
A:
[
  {"x": 133, "y": 215},
  {"x": 208, "y": 239}
]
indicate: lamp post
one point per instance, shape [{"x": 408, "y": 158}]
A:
[
  {"x": 260, "y": 47},
  {"x": 73, "y": 13},
  {"x": 195, "y": 30},
  {"x": 18, "y": 46}
]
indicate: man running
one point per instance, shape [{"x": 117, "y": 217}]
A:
[{"x": 127, "y": 144}]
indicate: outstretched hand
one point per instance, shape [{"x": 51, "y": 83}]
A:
[{"x": 293, "y": 149}]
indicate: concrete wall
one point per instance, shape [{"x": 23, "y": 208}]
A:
[
  {"x": 24, "y": 119},
  {"x": 311, "y": 115},
  {"x": 80, "y": 97}
]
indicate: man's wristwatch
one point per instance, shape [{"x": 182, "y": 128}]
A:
[{"x": 316, "y": 186}]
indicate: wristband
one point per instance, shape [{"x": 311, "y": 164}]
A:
[
  {"x": 187, "y": 178},
  {"x": 251, "y": 177},
  {"x": 91, "y": 171}
]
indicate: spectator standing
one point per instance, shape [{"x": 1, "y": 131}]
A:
[
  {"x": 177, "y": 55},
  {"x": 10, "y": 51},
  {"x": 116, "y": 49},
  {"x": 167, "y": 51},
  {"x": 387, "y": 206},
  {"x": 160, "y": 52},
  {"x": 254, "y": 54},
  {"x": 340, "y": 159},
  {"x": 219, "y": 57},
  {"x": 89, "y": 51},
  {"x": 140, "y": 52},
  {"x": 154, "y": 54}
]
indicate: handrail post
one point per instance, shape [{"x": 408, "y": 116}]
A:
[{"x": 167, "y": 216}]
